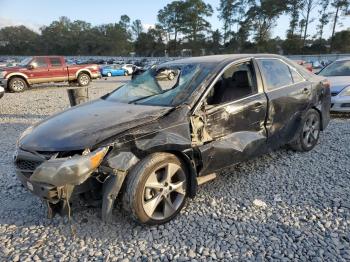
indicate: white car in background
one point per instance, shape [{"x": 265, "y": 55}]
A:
[
  {"x": 129, "y": 68},
  {"x": 338, "y": 74},
  {"x": 2, "y": 91}
]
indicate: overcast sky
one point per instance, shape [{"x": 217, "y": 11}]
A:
[{"x": 35, "y": 13}]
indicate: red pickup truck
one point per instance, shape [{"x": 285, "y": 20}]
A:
[{"x": 46, "y": 69}]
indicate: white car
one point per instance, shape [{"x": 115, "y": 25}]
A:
[
  {"x": 2, "y": 91},
  {"x": 338, "y": 75},
  {"x": 129, "y": 68}
]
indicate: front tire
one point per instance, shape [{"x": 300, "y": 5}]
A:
[
  {"x": 17, "y": 85},
  {"x": 109, "y": 74},
  {"x": 84, "y": 79},
  {"x": 309, "y": 132},
  {"x": 156, "y": 189}
]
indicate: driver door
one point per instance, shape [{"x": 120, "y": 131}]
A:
[
  {"x": 39, "y": 73},
  {"x": 233, "y": 116}
]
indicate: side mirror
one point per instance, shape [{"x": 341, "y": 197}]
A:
[{"x": 30, "y": 67}]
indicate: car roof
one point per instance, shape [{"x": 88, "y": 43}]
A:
[
  {"x": 216, "y": 59},
  {"x": 343, "y": 59}
]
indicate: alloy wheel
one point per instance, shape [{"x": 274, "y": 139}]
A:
[
  {"x": 84, "y": 80},
  {"x": 311, "y": 130},
  {"x": 18, "y": 85},
  {"x": 164, "y": 191}
]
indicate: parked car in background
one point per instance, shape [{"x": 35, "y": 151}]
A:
[
  {"x": 338, "y": 74},
  {"x": 158, "y": 142},
  {"x": 46, "y": 69},
  {"x": 169, "y": 74},
  {"x": 113, "y": 70},
  {"x": 305, "y": 64},
  {"x": 2, "y": 91},
  {"x": 129, "y": 68}
]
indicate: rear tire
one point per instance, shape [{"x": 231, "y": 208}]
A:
[
  {"x": 84, "y": 79},
  {"x": 109, "y": 74},
  {"x": 17, "y": 85},
  {"x": 309, "y": 132},
  {"x": 155, "y": 189}
]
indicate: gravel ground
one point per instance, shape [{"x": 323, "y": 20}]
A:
[{"x": 281, "y": 206}]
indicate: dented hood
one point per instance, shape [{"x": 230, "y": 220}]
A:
[{"x": 86, "y": 125}]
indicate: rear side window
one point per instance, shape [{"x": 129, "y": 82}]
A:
[
  {"x": 276, "y": 73},
  {"x": 55, "y": 61}
]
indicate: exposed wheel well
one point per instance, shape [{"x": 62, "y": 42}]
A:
[
  {"x": 84, "y": 72},
  {"x": 16, "y": 76},
  {"x": 319, "y": 112}
]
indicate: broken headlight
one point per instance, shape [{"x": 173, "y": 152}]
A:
[{"x": 72, "y": 170}]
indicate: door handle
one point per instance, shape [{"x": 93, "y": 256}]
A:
[{"x": 257, "y": 106}]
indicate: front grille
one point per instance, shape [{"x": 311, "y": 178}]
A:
[
  {"x": 27, "y": 164},
  {"x": 334, "y": 93}
]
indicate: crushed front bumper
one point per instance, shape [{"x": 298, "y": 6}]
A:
[{"x": 44, "y": 191}]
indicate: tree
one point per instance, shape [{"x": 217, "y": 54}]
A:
[
  {"x": 228, "y": 10},
  {"x": 307, "y": 7},
  {"x": 19, "y": 40},
  {"x": 170, "y": 18},
  {"x": 194, "y": 19},
  {"x": 137, "y": 28},
  {"x": 339, "y": 5},
  {"x": 341, "y": 41},
  {"x": 324, "y": 17},
  {"x": 263, "y": 15},
  {"x": 125, "y": 22},
  {"x": 213, "y": 44},
  {"x": 293, "y": 8}
]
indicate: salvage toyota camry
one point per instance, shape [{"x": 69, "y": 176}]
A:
[{"x": 153, "y": 140}]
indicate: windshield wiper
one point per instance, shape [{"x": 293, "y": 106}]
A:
[{"x": 141, "y": 98}]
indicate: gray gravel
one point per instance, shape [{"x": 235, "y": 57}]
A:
[{"x": 281, "y": 206}]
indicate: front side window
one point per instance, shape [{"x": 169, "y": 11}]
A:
[
  {"x": 163, "y": 86},
  {"x": 338, "y": 68},
  {"x": 39, "y": 62},
  {"x": 276, "y": 73},
  {"x": 236, "y": 82},
  {"x": 25, "y": 61},
  {"x": 296, "y": 77}
]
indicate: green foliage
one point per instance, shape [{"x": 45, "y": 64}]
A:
[{"x": 183, "y": 25}]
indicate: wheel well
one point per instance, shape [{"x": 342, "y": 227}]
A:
[
  {"x": 320, "y": 114},
  {"x": 84, "y": 72},
  {"x": 16, "y": 76}
]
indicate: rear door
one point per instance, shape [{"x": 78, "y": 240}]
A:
[
  {"x": 233, "y": 115},
  {"x": 289, "y": 96},
  {"x": 39, "y": 73},
  {"x": 57, "y": 69}
]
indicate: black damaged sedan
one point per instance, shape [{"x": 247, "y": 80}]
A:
[{"x": 153, "y": 140}]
